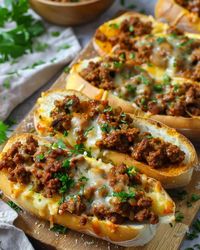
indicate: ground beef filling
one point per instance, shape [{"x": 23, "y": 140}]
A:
[
  {"x": 174, "y": 100},
  {"x": 128, "y": 28},
  {"x": 134, "y": 206},
  {"x": 54, "y": 172},
  {"x": 118, "y": 132},
  {"x": 121, "y": 136},
  {"x": 191, "y": 5}
]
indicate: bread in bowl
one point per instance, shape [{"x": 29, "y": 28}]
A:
[
  {"x": 81, "y": 193},
  {"x": 107, "y": 132}
]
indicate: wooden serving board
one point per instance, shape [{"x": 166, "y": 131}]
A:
[{"x": 167, "y": 237}]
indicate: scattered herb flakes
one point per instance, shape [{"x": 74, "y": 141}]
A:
[
  {"x": 179, "y": 194},
  {"x": 160, "y": 40},
  {"x": 39, "y": 62},
  {"x": 80, "y": 149},
  {"x": 59, "y": 229},
  {"x": 66, "y": 182},
  {"x": 53, "y": 60},
  {"x": 132, "y": 170},
  {"x": 65, "y": 133},
  {"x": 40, "y": 47},
  {"x": 191, "y": 235},
  {"x": 123, "y": 195},
  {"x": 195, "y": 197},
  {"x": 132, "y": 55},
  {"x": 59, "y": 144},
  {"x": 55, "y": 33},
  {"x": 109, "y": 109},
  {"x": 88, "y": 130},
  {"x": 7, "y": 84},
  {"x": 158, "y": 88},
  {"x": 105, "y": 128},
  {"x": 114, "y": 25},
  {"x": 166, "y": 79},
  {"x": 3, "y": 132},
  {"x": 83, "y": 179},
  {"x": 179, "y": 216},
  {"x": 40, "y": 157},
  {"x": 14, "y": 206},
  {"x": 66, "y": 163},
  {"x": 67, "y": 69},
  {"x": 64, "y": 46}
]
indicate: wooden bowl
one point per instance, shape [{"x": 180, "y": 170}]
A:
[{"x": 70, "y": 13}]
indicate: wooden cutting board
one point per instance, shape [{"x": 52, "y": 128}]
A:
[{"x": 167, "y": 237}]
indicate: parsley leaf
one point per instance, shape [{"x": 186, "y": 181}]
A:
[
  {"x": 14, "y": 206},
  {"x": 123, "y": 195},
  {"x": 59, "y": 229},
  {"x": 3, "y": 132},
  {"x": 66, "y": 182},
  {"x": 179, "y": 216}
]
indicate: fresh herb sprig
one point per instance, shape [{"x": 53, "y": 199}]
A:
[{"x": 19, "y": 40}]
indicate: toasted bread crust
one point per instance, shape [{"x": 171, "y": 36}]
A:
[
  {"x": 125, "y": 235},
  {"x": 174, "y": 14},
  {"x": 178, "y": 175},
  {"x": 190, "y": 127}
]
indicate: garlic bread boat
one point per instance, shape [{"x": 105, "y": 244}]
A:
[
  {"x": 183, "y": 14},
  {"x": 170, "y": 52},
  {"x": 130, "y": 23},
  {"x": 105, "y": 132},
  {"x": 173, "y": 101},
  {"x": 112, "y": 202}
]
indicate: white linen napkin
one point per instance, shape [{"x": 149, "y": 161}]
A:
[
  {"x": 11, "y": 238},
  {"x": 21, "y": 77}
]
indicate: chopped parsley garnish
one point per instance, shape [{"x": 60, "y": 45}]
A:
[
  {"x": 105, "y": 128},
  {"x": 66, "y": 163},
  {"x": 40, "y": 47},
  {"x": 143, "y": 79},
  {"x": 59, "y": 144},
  {"x": 3, "y": 132},
  {"x": 65, "y": 133},
  {"x": 88, "y": 130},
  {"x": 179, "y": 216},
  {"x": 132, "y": 170},
  {"x": 55, "y": 33},
  {"x": 176, "y": 87},
  {"x": 109, "y": 109},
  {"x": 131, "y": 28},
  {"x": 166, "y": 79},
  {"x": 66, "y": 182},
  {"x": 40, "y": 157},
  {"x": 149, "y": 136},
  {"x": 131, "y": 89},
  {"x": 6, "y": 84},
  {"x": 80, "y": 149},
  {"x": 34, "y": 65},
  {"x": 114, "y": 26},
  {"x": 67, "y": 69},
  {"x": 124, "y": 196},
  {"x": 59, "y": 229},
  {"x": 122, "y": 56},
  {"x": 14, "y": 206},
  {"x": 158, "y": 88},
  {"x": 132, "y": 55},
  {"x": 83, "y": 179},
  {"x": 117, "y": 64},
  {"x": 64, "y": 46},
  {"x": 195, "y": 197},
  {"x": 195, "y": 230},
  {"x": 160, "y": 40},
  {"x": 186, "y": 43}
]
